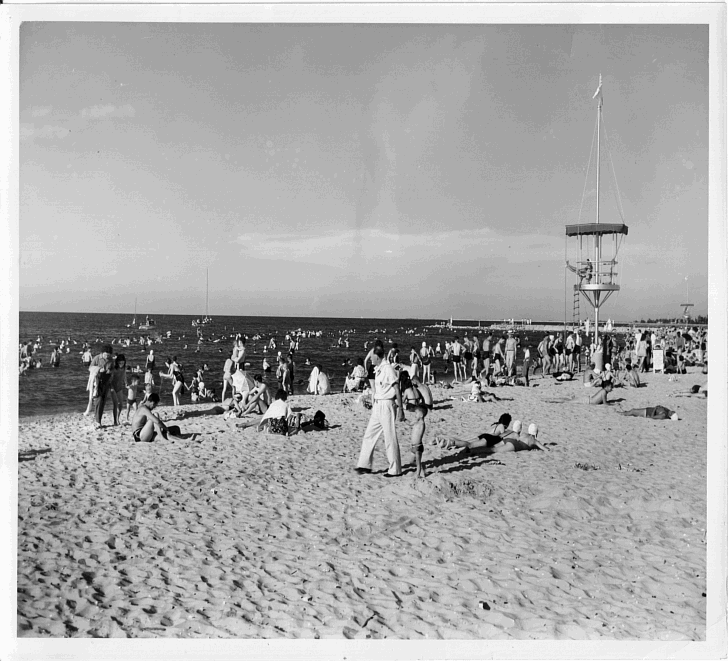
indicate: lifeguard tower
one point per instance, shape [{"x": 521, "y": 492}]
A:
[
  {"x": 595, "y": 246},
  {"x": 686, "y": 306}
]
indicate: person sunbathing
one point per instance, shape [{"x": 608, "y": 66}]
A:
[
  {"x": 599, "y": 397},
  {"x": 653, "y": 413},
  {"x": 519, "y": 441},
  {"x": 498, "y": 432},
  {"x": 695, "y": 391}
]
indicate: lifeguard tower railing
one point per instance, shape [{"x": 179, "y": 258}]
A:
[{"x": 597, "y": 247}]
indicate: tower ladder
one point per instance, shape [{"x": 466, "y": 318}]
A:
[{"x": 576, "y": 314}]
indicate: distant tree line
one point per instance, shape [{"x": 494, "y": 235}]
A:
[{"x": 700, "y": 319}]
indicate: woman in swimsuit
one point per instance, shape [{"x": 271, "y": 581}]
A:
[
  {"x": 118, "y": 386},
  {"x": 179, "y": 384},
  {"x": 499, "y": 431}
]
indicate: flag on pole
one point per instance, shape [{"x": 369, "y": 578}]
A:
[{"x": 599, "y": 89}]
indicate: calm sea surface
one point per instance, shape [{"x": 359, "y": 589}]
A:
[{"x": 60, "y": 390}]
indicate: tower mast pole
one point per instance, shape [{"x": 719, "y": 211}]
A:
[{"x": 597, "y": 237}]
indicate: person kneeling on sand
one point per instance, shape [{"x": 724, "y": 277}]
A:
[
  {"x": 146, "y": 426},
  {"x": 652, "y": 412}
]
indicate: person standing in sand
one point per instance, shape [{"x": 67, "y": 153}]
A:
[
  {"x": 511, "y": 345},
  {"x": 418, "y": 433},
  {"x": 387, "y": 405}
]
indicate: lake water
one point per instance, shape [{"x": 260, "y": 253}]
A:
[{"x": 63, "y": 389}]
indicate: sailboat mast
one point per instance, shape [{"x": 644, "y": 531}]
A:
[{"x": 207, "y": 292}]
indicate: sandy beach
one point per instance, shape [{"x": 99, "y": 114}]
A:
[{"x": 249, "y": 535}]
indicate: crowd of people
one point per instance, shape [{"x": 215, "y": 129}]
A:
[{"x": 388, "y": 381}]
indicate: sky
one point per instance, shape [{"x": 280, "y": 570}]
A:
[{"x": 421, "y": 171}]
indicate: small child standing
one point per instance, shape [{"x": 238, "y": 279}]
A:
[
  {"x": 131, "y": 395},
  {"x": 149, "y": 378},
  {"x": 147, "y": 394},
  {"x": 418, "y": 433}
]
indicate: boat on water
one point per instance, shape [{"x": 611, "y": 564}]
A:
[
  {"x": 206, "y": 320},
  {"x": 133, "y": 321},
  {"x": 148, "y": 324}
]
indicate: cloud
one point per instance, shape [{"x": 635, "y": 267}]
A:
[
  {"x": 40, "y": 111},
  {"x": 340, "y": 249},
  {"x": 47, "y": 132},
  {"x": 108, "y": 111}
]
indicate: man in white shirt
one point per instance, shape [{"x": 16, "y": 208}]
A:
[
  {"x": 387, "y": 404},
  {"x": 511, "y": 345}
]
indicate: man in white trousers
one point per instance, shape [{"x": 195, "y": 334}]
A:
[{"x": 387, "y": 405}]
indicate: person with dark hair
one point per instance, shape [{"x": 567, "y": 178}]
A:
[
  {"x": 653, "y": 413},
  {"x": 357, "y": 378},
  {"x": 386, "y": 406},
  {"x": 259, "y": 399},
  {"x": 104, "y": 365},
  {"x": 369, "y": 365},
  {"x": 279, "y": 418},
  {"x": 146, "y": 426},
  {"x": 118, "y": 386},
  {"x": 499, "y": 431},
  {"x": 418, "y": 433},
  {"x": 632, "y": 378}
]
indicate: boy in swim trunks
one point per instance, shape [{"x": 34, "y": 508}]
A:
[
  {"x": 131, "y": 395},
  {"x": 418, "y": 433},
  {"x": 146, "y": 426}
]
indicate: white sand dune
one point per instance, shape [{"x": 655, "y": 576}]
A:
[{"x": 248, "y": 535}]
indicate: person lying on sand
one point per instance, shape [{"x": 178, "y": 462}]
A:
[
  {"x": 599, "y": 397},
  {"x": 695, "y": 391},
  {"x": 498, "y": 432},
  {"x": 653, "y": 412},
  {"x": 519, "y": 441},
  {"x": 146, "y": 426}
]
